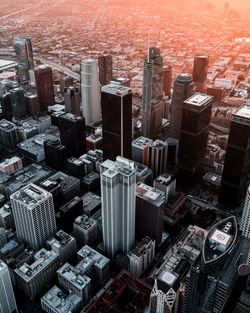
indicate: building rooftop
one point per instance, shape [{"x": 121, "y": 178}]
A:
[
  {"x": 60, "y": 302},
  {"x": 7, "y": 125},
  {"x": 91, "y": 201},
  {"x": 65, "y": 181},
  {"x": 121, "y": 166},
  {"x": 60, "y": 239},
  {"x": 142, "y": 142},
  {"x": 71, "y": 274},
  {"x": 41, "y": 260},
  {"x": 220, "y": 240},
  {"x": 199, "y": 100},
  {"x": 23, "y": 177},
  {"x": 84, "y": 222},
  {"x": 34, "y": 145},
  {"x": 30, "y": 195},
  {"x": 98, "y": 259},
  {"x": 150, "y": 194},
  {"x": 71, "y": 117},
  {"x": 116, "y": 89},
  {"x": 243, "y": 111}
]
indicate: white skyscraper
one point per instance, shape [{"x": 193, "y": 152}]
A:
[
  {"x": 7, "y": 297},
  {"x": 245, "y": 219},
  {"x": 161, "y": 302},
  {"x": 34, "y": 215},
  {"x": 90, "y": 90},
  {"x": 118, "y": 181}
]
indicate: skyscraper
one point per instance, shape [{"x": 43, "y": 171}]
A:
[
  {"x": 194, "y": 133},
  {"x": 5, "y": 101},
  {"x": 24, "y": 56},
  {"x": 116, "y": 121},
  {"x": 90, "y": 90},
  {"x": 140, "y": 150},
  {"x": 149, "y": 212},
  {"x": 19, "y": 107},
  {"x": 72, "y": 100},
  {"x": 245, "y": 218},
  {"x": 237, "y": 159},
  {"x": 152, "y": 94},
  {"x": 118, "y": 205},
  {"x": 200, "y": 72},
  {"x": 34, "y": 215},
  {"x": 214, "y": 273},
  {"x": 183, "y": 89},
  {"x": 73, "y": 134},
  {"x": 44, "y": 87},
  {"x": 105, "y": 69},
  {"x": 167, "y": 80},
  {"x": 161, "y": 302},
  {"x": 7, "y": 297}
]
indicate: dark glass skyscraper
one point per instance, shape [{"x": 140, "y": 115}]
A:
[
  {"x": 116, "y": 121},
  {"x": 183, "y": 89},
  {"x": 105, "y": 69},
  {"x": 237, "y": 160},
  {"x": 73, "y": 134},
  {"x": 19, "y": 107},
  {"x": 24, "y": 56},
  {"x": 152, "y": 94},
  {"x": 44, "y": 87},
  {"x": 194, "y": 133},
  {"x": 72, "y": 100},
  {"x": 200, "y": 72},
  {"x": 6, "y": 106},
  {"x": 213, "y": 275}
]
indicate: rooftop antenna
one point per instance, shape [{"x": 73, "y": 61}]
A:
[{"x": 148, "y": 45}]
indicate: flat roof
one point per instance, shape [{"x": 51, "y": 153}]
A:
[
  {"x": 199, "y": 99},
  {"x": 243, "y": 111},
  {"x": 116, "y": 89},
  {"x": 6, "y": 64}
]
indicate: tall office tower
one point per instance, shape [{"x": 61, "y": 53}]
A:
[
  {"x": 140, "y": 150},
  {"x": 116, "y": 121},
  {"x": 173, "y": 151},
  {"x": 8, "y": 134},
  {"x": 73, "y": 134},
  {"x": 152, "y": 94},
  {"x": 19, "y": 107},
  {"x": 105, "y": 69},
  {"x": 245, "y": 219},
  {"x": 5, "y": 101},
  {"x": 44, "y": 87},
  {"x": 149, "y": 212},
  {"x": 65, "y": 82},
  {"x": 237, "y": 159},
  {"x": 158, "y": 156},
  {"x": 118, "y": 205},
  {"x": 24, "y": 56},
  {"x": 32, "y": 102},
  {"x": 90, "y": 90},
  {"x": 161, "y": 302},
  {"x": 72, "y": 100},
  {"x": 55, "y": 154},
  {"x": 200, "y": 72},
  {"x": 183, "y": 89},
  {"x": 7, "y": 297},
  {"x": 167, "y": 80},
  {"x": 34, "y": 215},
  {"x": 194, "y": 133},
  {"x": 214, "y": 273}
]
